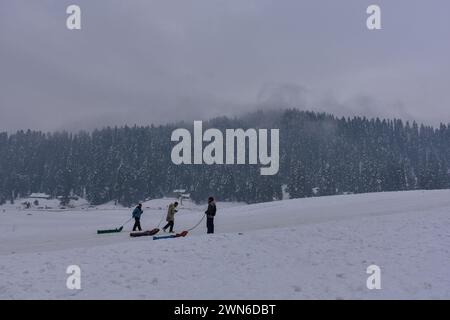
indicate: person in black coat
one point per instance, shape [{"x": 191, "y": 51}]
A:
[
  {"x": 210, "y": 214},
  {"x": 137, "y": 212}
]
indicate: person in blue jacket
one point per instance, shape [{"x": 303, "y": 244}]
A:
[{"x": 137, "y": 212}]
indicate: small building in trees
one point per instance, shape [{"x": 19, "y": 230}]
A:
[
  {"x": 181, "y": 195},
  {"x": 39, "y": 196}
]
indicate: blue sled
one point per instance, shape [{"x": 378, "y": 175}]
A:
[{"x": 164, "y": 237}]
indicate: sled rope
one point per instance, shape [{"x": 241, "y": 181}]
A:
[
  {"x": 123, "y": 224},
  {"x": 126, "y": 222},
  {"x": 162, "y": 218},
  {"x": 198, "y": 223},
  {"x": 181, "y": 234}
]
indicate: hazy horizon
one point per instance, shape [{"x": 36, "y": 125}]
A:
[{"x": 189, "y": 123}]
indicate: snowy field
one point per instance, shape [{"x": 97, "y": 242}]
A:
[{"x": 292, "y": 249}]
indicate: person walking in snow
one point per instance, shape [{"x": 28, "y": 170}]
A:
[
  {"x": 210, "y": 214},
  {"x": 137, "y": 212},
  {"x": 171, "y": 216}
]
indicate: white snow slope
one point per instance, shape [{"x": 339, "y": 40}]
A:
[{"x": 315, "y": 248}]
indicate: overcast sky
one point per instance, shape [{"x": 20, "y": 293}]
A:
[{"x": 158, "y": 61}]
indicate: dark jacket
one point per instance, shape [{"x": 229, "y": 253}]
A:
[
  {"x": 211, "y": 211},
  {"x": 137, "y": 212}
]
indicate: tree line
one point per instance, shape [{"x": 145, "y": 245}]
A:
[{"x": 320, "y": 154}]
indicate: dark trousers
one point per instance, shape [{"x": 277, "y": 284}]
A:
[
  {"x": 137, "y": 224},
  {"x": 210, "y": 224},
  {"x": 169, "y": 224}
]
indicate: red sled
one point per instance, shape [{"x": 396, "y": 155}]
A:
[
  {"x": 144, "y": 233},
  {"x": 181, "y": 234}
]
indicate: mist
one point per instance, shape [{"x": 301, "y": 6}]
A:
[{"x": 154, "y": 62}]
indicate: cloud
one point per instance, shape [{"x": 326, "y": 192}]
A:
[{"x": 167, "y": 60}]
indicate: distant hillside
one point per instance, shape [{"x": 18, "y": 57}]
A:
[{"x": 318, "y": 152}]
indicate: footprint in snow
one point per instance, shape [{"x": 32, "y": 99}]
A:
[
  {"x": 297, "y": 289},
  {"x": 427, "y": 286}
]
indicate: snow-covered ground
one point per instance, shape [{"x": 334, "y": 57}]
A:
[{"x": 290, "y": 249}]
